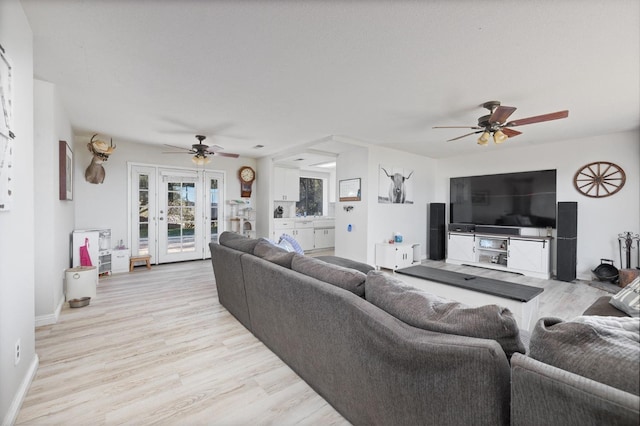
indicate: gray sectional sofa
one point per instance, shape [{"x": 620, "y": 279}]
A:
[{"x": 383, "y": 353}]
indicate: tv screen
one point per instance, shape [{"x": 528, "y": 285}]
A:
[{"x": 525, "y": 199}]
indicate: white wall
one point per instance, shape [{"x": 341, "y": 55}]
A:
[
  {"x": 410, "y": 220},
  {"x": 373, "y": 222},
  {"x": 600, "y": 220},
  {"x": 264, "y": 197},
  {"x": 105, "y": 205},
  {"x": 17, "y": 237},
  {"x": 353, "y": 245},
  {"x": 54, "y": 218}
]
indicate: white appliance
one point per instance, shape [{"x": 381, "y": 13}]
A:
[
  {"x": 98, "y": 242},
  {"x": 81, "y": 282}
]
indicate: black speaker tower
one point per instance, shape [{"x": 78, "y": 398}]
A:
[
  {"x": 567, "y": 244},
  {"x": 436, "y": 230}
]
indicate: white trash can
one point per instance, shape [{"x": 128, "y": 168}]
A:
[
  {"x": 81, "y": 281},
  {"x": 416, "y": 253}
]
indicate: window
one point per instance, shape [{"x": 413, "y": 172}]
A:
[{"x": 311, "y": 197}]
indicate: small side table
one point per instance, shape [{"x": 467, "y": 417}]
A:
[{"x": 142, "y": 258}]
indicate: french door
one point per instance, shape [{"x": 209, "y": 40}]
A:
[{"x": 175, "y": 212}]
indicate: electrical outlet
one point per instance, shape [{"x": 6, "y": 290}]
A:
[{"x": 16, "y": 358}]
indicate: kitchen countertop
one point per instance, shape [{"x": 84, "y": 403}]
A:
[{"x": 318, "y": 221}]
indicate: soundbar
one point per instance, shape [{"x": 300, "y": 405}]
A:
[{"x": 501, "y": 230}]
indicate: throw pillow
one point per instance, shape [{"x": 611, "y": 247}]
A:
[
  {"x": 290, "y": 243},
  {"x": 274, "y": 254},
  {"x": 599, "y": 348},
  {"x": 628, "y": 299},
  {"x": 424, "y": 310},
  {"x": 348, "y": 279}
]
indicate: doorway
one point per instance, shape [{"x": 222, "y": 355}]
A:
[{"x": 175, "y": 213}]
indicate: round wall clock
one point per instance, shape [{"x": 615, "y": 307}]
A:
[
  {"x": 599, "y": 179},
  {"x": 247, "y": 176}
]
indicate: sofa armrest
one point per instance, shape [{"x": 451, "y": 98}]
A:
[{"x": 545, "y": 395}]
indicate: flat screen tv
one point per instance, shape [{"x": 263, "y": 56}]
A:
[{"x": 525, "y": 199}]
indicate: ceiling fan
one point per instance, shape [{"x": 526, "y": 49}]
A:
[
  {"x": 201, "y": 152},
  {"x": 496, "y": 123}
]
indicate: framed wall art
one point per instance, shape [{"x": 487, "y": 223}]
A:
[
  {"x": 6, "y": 135},
  {"x": 395, "y": 185},
  {"x": 65, "y": 157},
  {"x": 349, "y": 190}
]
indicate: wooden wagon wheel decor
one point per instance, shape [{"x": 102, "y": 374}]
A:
[{"x": 599, "y": 179}]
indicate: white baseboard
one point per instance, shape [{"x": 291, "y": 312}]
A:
[
  {"x": 14, "y": 409},
  {"x": 50, "y": 318}
]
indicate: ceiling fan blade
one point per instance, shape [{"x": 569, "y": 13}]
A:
[
  {"x": 178, "y": 147},
  {"x": 226, "y": 154},
  {"x": 539, "y": 118},
  {"x": 510, "y": 132},
  {"x": 178, "y": 152},
  {"x": 215, "y": 148},
  {"x": 456, "y": 127},
  {"x": 501, "y": 114},
  {"x": 464, "y": 136}
]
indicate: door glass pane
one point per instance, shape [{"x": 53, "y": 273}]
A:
[
  {"x": 213, "y": 196},
  {"x": 143, "y": 214},
  {"x": 180, "y": 217},
  {"x": 143, "y": 242}
]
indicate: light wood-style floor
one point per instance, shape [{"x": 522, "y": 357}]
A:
[{"x": 155, "y": 347}]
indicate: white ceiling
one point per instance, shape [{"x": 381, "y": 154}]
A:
[{"x": 289, "y": 73}]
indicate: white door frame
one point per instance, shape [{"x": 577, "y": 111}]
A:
[{"x": 203, "y": 210}]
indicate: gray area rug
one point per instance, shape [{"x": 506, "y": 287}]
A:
[{"x": 505, "y": 289}]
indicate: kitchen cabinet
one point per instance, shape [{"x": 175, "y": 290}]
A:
[
  {"x": 286, "y": 184},
  {"x": 324, "y": 238},
  {"x": 282, "y": 226},
  {"x": 303, "y": 233}
]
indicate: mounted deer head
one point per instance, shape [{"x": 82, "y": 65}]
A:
[{"x": 101, "y": 151}]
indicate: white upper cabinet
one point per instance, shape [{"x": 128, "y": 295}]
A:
[{"x": 286, "y": 184}]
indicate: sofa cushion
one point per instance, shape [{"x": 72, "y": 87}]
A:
[
  {"x": 628, "y": 299},
  {"x": 274, "y": 254},
  {"x": 347, "y": 263},
  {"x": 430, "y": 312},
  {"x": 604, "y": 349},
  {"x": 238, "y": 242},
  {"x": 348, "y": 279}
]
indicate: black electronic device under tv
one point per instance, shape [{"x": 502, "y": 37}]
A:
[{"x": 524, "y": 199}]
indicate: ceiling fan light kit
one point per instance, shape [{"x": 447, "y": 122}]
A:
[
  {"x": 496, "y": 123},
  {"x": 200, "y": 160},
  {"x": 499, "y": 137},
  {"x": 201, "y": 152},
  {"x": 484, "y": 139}
]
